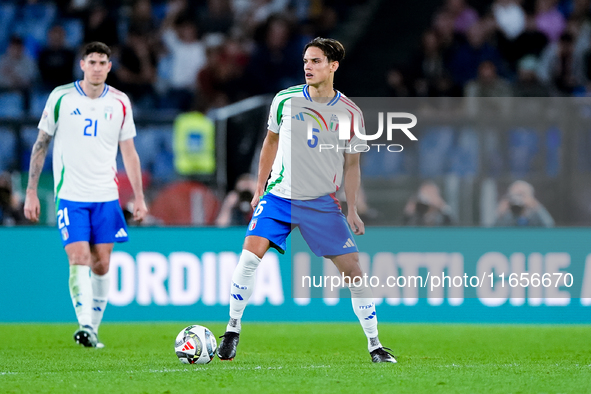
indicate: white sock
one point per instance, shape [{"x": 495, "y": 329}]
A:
[
  {"x": 100, "y": 295},
  {"x": 365, "y": 309},
  {"x": 242, "y": 286},
  {"x": 81, "y": 293}
]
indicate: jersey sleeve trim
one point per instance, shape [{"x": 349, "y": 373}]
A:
[
  {"x": 56, "y": 110},
  {"x": 124, "y": 111}
]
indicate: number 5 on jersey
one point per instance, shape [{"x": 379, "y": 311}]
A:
[{"x": 89, "y": 125}]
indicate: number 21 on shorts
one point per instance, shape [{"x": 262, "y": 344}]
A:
[{"x": 62, "y": 218}]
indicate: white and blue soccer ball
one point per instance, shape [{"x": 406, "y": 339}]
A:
[{"x": 195, "y": 345}]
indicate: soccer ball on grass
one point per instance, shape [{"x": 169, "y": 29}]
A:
[{"x": 195, "y": 345}]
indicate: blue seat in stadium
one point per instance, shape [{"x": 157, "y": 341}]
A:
[
  {"x": 12, "y": 105},
  {"x": 147, "y": 145},
  {"x": 74, "y": 32},
  {"x": 434, "y": 148},
  {"x": 37, "y": 103},
  {"x": 523, "y": 147},
  {"x": 33, "y": 22},
  {"x": 466, "y": 152},
  {"x": 163, "y": 169},
  {"x": 28, "y": 138},
  {"x": 382, "y": 164},
  {"x": 154, "y": 147},
  {"x": 7, "y": 149},
  {"x": 7, "y": 15},
  {"x": 553, "y": 147}
]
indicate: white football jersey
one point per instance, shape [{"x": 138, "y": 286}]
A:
[
  {"x": 86, "y": 137},
  {"x": 302, "y": 170}
]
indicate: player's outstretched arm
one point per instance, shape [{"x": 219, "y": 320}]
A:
[
  {"x": 32, "y": 207},
  {"x": 352, "y": 174},
  {"x": 268, "y": 153},
  {"x": 131, "y": 161}
]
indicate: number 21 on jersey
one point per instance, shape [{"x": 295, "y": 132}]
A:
[{"x": 88, "y": 126}]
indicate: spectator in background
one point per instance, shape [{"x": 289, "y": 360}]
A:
[
  {"x": 520, "y": 208},
  {"x": 276, "y": 62},
  {"x": 558, "y": 65},
  {"x": 17, "y": 69},
  {"x": 396, "y": 83},
  {"x": 220, "y": 82},
  {"x": 528, "y": 84},
  {"x": 217, "y": 18},
  {"x": 510, "y": 18},
  {"x": 100, "y": 25},
  {"x": 428, "y": 67},
  {"x": 236, "y": 209},
  {"x": 549, "y": 20},
  {"x": 488, "y": 83},
  {"x": 448, "y": 38},
  {"x": 137, "y": 69},
  {"x": 530, "y": 42},
  {"x": 324, "y": 20},
  {"x": 463, "y": 15},
  {"x": 142, "y": 21},
  {"x": 468, "y": 56},
  {"x": 11, "y": 205},
  {"x": 427, "y": 208},
  {"x": 254, "y": 14},
  {"x": 194, "y": 146},
  {"x": 180, "y": 36},
  {"x": 56, "y": 61}
]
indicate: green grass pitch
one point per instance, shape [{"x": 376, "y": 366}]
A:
[{"x": 306, "y": 358}]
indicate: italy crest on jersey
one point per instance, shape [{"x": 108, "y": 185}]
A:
[
  {"x": 108, "y": 113},
  {"x": 334, "y": 123}
]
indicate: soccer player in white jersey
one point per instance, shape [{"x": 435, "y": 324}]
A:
[
  {"x": 301, "y": 190},
  {"x": 88, "y": 120}
]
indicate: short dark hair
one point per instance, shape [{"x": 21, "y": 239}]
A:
[
  {"x": 332, "y": 49},
  {"x": 96, "y": 47}
]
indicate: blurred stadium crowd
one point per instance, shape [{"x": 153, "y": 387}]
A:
[
  {"x": 179, "y": 60},
  {"x": 165, "y": 52},
  {"x": 521, "y": 48}
]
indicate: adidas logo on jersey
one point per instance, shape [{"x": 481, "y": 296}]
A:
[
  {"x": 299, "y": 116},
  {"x": 76, "y": 112},
  {"x": 348, "y": 244},
  {"x": 121, "y": 233}
]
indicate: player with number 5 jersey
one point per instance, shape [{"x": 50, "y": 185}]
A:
[
  {"x": 88, "y": 121},
  {"x": 301, "y": 182}
]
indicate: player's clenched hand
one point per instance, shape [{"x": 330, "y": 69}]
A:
[
  {"x": 356, "y": 223},
  {"x": 32, "y": 207},
  {"x": 140, "y": 210},
  {"x": 256, "y": 198}
]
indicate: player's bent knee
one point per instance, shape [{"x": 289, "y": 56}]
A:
[{"x": 257, "y": 245}]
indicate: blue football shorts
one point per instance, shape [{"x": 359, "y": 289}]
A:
[
  {"x": 94, "y": 222},
  {"x": 321, "y": 222}
]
